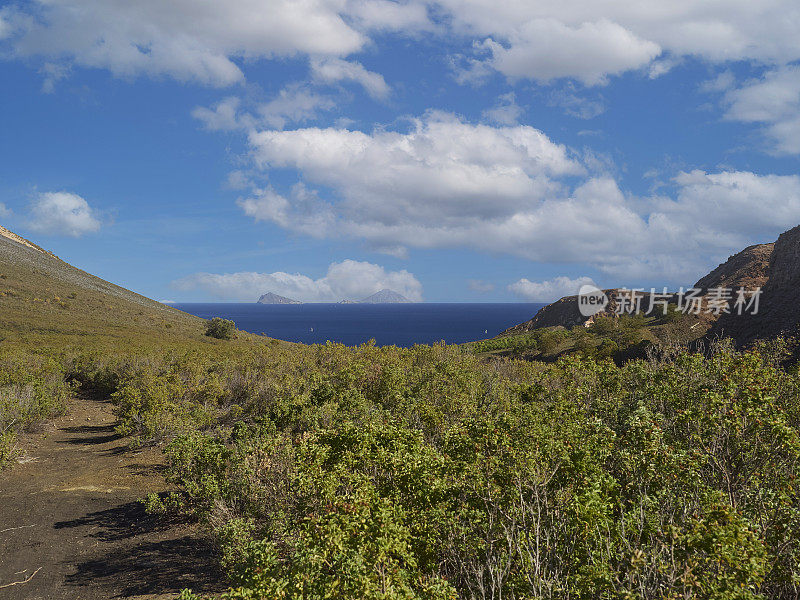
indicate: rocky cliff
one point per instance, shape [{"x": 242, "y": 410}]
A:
[
  {"x": 778, "y": 311},
  {"x": 747, "y": 269},
  {"x": 565, "y": 313}
]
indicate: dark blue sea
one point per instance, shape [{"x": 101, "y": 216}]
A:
[{"x": 353, "y": 324}]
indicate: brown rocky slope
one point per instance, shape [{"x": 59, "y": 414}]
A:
[
  {"x": 750, "y": 269},
  {"x": 779, "y": 311}
]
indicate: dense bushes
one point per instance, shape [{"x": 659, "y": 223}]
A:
[
  {"x": 32, "y": 388},
  {"x": 620, "y": 338},
  {"x": 326, "y": 471},
  {"x": 335, "y": 472}
]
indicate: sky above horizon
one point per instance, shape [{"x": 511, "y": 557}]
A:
[{"x": 451, "y": 150}]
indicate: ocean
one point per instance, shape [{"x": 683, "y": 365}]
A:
[{"x": 353, "y": 324}]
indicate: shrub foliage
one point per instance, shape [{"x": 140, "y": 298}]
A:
[
  {"x": 221, "y": 329},
  {"x": 387, "y": 473}
]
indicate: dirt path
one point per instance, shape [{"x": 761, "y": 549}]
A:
[{"x": 71, "y": 526}]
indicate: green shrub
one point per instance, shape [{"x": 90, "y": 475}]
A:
[
  {"x": 33, "y": 388},
  {"x": 329, "y": 471},
  {"x": 221, "y": 329}
]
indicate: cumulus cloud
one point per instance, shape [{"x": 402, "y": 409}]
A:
[
  {"x": 589, "y": 41},
  {"x": 722, "y": 82},
  {"x": 546, "y": 49},
  {"x": 774, "y": 101},
  {"x": 302, "y": 211},
  {"x": 443, "y": 165},
  {"x": 592, "y": 40},
  {"x": 198, "y": 41},
  {"x": 295, "y": 103},
  {"x": 348, "y": 280},
  {"x": 332, "y": 70},
  {"x": 548, "y": 291},
  {"x": 62, "y": 213},
  {"x": 511, "y": 190}
]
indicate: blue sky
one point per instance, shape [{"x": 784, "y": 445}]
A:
[{"x": 453, "y": 150}]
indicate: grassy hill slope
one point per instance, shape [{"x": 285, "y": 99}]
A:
[{"x": 41, "y": 294}]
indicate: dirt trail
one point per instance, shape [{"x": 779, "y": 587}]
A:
[{"x": 70, "y": 523}]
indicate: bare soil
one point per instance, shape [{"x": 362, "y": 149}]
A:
[{"x": 71, "y": 525}]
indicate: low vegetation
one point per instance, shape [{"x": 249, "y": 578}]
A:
[
  {"x": 621, "y": 338},
  {"x": 336, "y": 472},
  {"x": 32, "y": 388}
]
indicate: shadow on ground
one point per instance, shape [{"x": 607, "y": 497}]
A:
[{"x": 137, "y": 567}]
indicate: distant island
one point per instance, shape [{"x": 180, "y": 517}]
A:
[
  {"x": 270, "y": 298},
  {"x": 384, "y": 296}
]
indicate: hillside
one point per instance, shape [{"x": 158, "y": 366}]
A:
[
  {"x": 42, "y": 294},
  {"x": 771, "y": 266},
  {"x": 747, "y": 269},
  {"x": 381, "y": 472},
  {"x": 779, "y": 311}
]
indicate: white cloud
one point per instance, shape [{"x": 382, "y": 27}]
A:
[
  {"x": 721, "y": 83},
  {"x": 224, "y": 116},
  {"x": 183, "y": 39},
  {"x": 4, "y": 211},
  {"x": 548, "y": 291},
  {"x": 478, "y": 285},
  {"x": 774, "y": 101},
  {"x": 587, "y": 40},
  {"x": 738, "y": 203},
  {"x": 662, "y": 66},
  {"x": 390, "y": 15},
  {"x": 332, "y": 70},
  {"x": 296, "y": 103},
  {"x": 505, "y": 112},
  {"x": 546, "y": 49},
  {"x": 304, "y": 212},
  {"x": 441, "y": 166},
  {"x": 62, "y": 213},
  {"x": 590, "y": 40},
  {"x": 511, "y": 190},
  {"x": 348, "y": 280}
]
